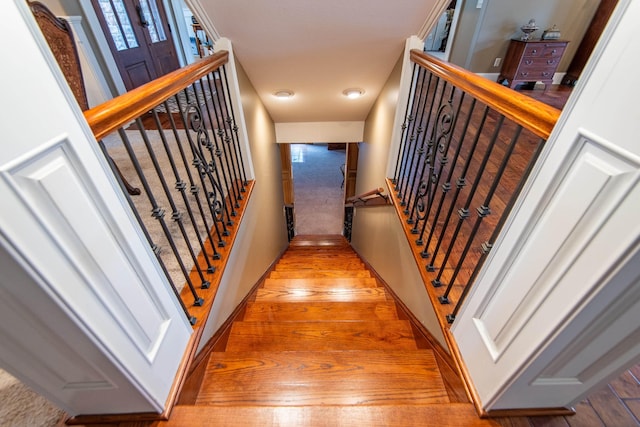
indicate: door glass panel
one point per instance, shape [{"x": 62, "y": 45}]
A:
[
  {"x": 118, "y": 24},
  {"x": 152, "y": 16}
]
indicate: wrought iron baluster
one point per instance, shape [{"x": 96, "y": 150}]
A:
[
  {"x": 181, "y": 186},
  {"x": 418, "y": 137},
  {"x": 196, "y": 162},
  {"x": 192, "y": 119},
  {"x": 402, "y": 147},
  {"x": 486, "y": 246},
  {"x": 193, "y": 187},
  {"x": 158, "y": 213},
  {"x": 206, "y": 141},
  {"x": 446, "y": 187},
  {"x": 460, "y": 184},
  {"x": 235, "y": 127},
  {"x": 412, "y": 141},
  {"x": 235, "y": 139},
  {"x": 464, "y": 212},
  {"x": 155, "y": 248},
  {"x": 439, "y": 129},
  {"x": 220, "y": 156},
  {"x": 426, "y": 153},
  {"x": 176, "y": 215},
  {"x": 446, "y": 132}
]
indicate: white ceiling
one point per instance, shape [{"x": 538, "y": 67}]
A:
[{"x": 318, "y": 48}]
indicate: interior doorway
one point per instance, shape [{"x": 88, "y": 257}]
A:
[
  {"x": 440, "y": 40},
  {"x": 139, "y": 38},
  {"x": 318, "y": 187}
]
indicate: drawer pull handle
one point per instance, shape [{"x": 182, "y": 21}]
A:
[
  {"x": 525, "y": 73},
  {"x": 545, "y": 74},
  {"x": 550, "y": 61},
  {"x": 554, "y": 51},
  {"x": 528, "y": 62},
  {"x": 534, "y": 51}
]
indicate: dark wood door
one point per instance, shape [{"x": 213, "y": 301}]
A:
[{"x": 139, "y": 37}]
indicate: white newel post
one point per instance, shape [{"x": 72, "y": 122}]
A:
[
  {"x": 86, "y": 317},
  {"x": 556, "y": 309}
]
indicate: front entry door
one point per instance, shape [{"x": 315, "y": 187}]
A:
[{"x": 139, "y": 37}]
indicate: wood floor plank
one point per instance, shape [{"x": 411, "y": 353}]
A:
[
  {"x": 320, "y": 283},
  {"x": 610, "y": 409},
  {"x": 513, "y": 421},
  {"x": 585, "y": 416},
  {"x": 626, "y": 386},
  {"x": 316, "y": 311},
  {"x": 303, "y": 274},
  {"x": 322, "y": 295},
  {"x": 548, "y": 422},
  {"x": 323, "y": 378},
  {"x": 634, "y": 407},
  {"x": 291, "y": 336},
  {"x": 450, "y": 415}
]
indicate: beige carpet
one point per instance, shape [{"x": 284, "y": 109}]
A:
[
  {"x": 317, "y": 179},
  {"x": 21, "y": 407}
]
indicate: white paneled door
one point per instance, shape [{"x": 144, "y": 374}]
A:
[
  {"x": 555, "y": 310},
  {"x": 86, "y": 316}
]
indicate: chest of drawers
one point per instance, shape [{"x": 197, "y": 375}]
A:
[{"x": 532, "y": 61}]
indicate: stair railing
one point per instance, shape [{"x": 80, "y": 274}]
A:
[
  {"x": 368, "y": 199},
  {"x": 467, "y": 147},
  {"x": 177, "y": 138}
]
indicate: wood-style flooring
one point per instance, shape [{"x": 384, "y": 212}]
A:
[{"x": 322, "y": 343}]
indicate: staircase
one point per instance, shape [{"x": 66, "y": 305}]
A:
[{"x": 321, "y": 343}]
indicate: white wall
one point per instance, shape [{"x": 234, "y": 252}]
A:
[{"x": 377, "y": 234}]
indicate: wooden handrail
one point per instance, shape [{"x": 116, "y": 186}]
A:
[
  {"x": 374, "y": 192},
  {"x": 532, "y": 114},
  {"x": 117, "y": 112}
]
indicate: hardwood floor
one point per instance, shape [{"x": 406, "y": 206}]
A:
[{"x": 321, "y": 342}]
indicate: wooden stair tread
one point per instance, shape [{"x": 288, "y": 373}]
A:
[
  {"x": 321, "y": 336},
  {"x": 320, "y": 283},
  {"x": 441, "y": 415},
  {"x": 317, "y": 311},
  {"x": 319, "y": 240},
  {"x": 322, "y": 295},
  {"x": 320, "y": 265},
  {"x": 322, "y": 378},
  {"x": 303, "y": 274}
]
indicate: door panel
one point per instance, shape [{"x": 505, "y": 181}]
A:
[
  {"x": 139, "y": 38},
  {"x": 158, "y": 35}
]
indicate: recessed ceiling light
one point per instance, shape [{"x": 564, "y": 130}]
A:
[
  {"x": 353, "y": 93},
  {"x": 283, "y": 93}
]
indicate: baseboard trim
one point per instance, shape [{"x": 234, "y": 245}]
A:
[{"x": 557, "y": 77}]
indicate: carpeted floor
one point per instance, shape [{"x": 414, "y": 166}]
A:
[
  {"x": 21, "y": 407},
  {"x": 317, "y": 179}
]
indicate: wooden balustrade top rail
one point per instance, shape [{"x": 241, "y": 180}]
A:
[
  {"x": 532, "y": 114},
  {"x": 117, "y": 112}
]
